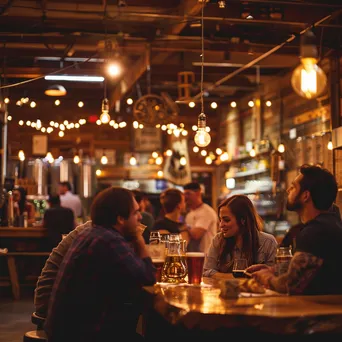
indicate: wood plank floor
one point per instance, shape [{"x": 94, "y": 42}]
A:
[{"x": 15, "y": 316}]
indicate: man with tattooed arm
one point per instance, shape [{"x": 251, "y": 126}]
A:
[{"x": 316, "y": 264}]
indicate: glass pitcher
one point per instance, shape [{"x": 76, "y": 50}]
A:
[{"x": 174, "y": 269}]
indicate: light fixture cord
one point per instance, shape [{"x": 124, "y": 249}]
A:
[{"x": 202, "y": 57}]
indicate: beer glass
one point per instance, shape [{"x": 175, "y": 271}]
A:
[
  {"x": 239, "y": 267},
  {"x": 195, "y": 262},
  {"x": 154, "y": 238}
]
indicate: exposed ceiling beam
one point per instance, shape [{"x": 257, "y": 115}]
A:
[
  {"x": 131, "y": 76},
  {"x": 297, "y": 3},
  {"x": 187, "y": 8}
]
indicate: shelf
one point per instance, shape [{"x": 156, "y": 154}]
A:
[
  {"x": 247, "y": 157},
  {"x": 249, "y": 192},
  {"x": 249, "y": 173}
]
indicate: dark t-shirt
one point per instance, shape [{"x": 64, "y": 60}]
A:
[
  {"x": 322, "y": 237},
  {"x": 148, "y": 220},
  {"x": 172, "y": 226},
  {"x": 58, "y": 221}
]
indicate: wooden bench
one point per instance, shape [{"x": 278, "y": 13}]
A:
[{"x": 12, "y": 269}]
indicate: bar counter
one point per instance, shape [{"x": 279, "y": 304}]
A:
[
  {"x": 21, "y": 232},
  {"x": 200, "y": 312}
]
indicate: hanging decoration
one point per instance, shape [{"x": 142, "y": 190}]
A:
[
  {"x": 202, "y": 137},
  {"x": 308, "y": 79}
]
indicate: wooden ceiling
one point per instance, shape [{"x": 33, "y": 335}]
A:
[{"x": 45, "y": 36}]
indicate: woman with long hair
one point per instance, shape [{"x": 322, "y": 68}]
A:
[
  {"x": 21, "y": 205},
  {"x": 240, "y": 236}
]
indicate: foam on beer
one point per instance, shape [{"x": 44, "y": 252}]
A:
[{"x": 195, "y": 254}]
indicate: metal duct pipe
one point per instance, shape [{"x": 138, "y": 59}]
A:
[
  {"x": 37, "y": 170},
  {"x": 86, "y": 179}
]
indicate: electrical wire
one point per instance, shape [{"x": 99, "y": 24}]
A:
[
  {"x": 266, "y": 54},
  {"x": 202, "y": 57},
  {"x": 51, "y": 73}
]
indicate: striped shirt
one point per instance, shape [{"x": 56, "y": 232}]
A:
[{"x": 49, "y": 272}]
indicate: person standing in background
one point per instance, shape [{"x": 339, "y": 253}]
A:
[
  {"x": 58, "y": 221},
  {"x": 201, "y": 220},
  {"x": 70, "y": 200},
  {"x": 173, "y": 204},
  {"x": 147, "y": 218}
]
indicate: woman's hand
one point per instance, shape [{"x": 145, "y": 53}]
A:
[{"x": 263, "y": 276}]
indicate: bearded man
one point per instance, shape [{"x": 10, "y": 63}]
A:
[{"x": 316, "y": 263}]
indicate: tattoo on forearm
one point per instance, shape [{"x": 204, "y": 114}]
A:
[{"x": 303, "y": 268}]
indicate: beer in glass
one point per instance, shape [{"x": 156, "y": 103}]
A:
[{"x": 195, "y": 262}]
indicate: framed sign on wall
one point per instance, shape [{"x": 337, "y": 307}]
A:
[
  {"x": 147, "y": 139},
  {"x": 39, "y": 145}
]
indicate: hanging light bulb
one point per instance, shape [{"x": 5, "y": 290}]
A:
[
  {"x": 132, "y": 161},
  {"x": 21, "y": 155},
  {"x": 182, "y": 161},
  {"x": 224, "y": 156},
  {"x": 104, "y": 160},
  {"x": 281, "y": 148},
  {"x": 76, "y": 159},
  {"x": 330, "y": 146},
  {"x": 105, "y": 117},
  {"x": 202, "y": 137},
  {"x": 49, "y": 157},
  {"x": 159, "y": 160},
  {"x": 252, "y": 152},
  {"x": 208, "y": 160},
  {"x": 308, "y": 79}
]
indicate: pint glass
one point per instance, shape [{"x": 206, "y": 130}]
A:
[{"x": 195, "y": 261}]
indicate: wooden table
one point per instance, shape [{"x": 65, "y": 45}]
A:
[{"x": 200, "y": 312}]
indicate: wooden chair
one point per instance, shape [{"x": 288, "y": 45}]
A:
[
  {"x": 35, "y": 335},
  {"x": 37, "y": 320}
]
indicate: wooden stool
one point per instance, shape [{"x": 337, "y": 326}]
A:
[
  {"x": 37, "y": 320},
  {"x": 35, "y": 335}
]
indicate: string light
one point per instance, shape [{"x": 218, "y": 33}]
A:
[
  {"x": 104, "y": 159},
  {"x": 281, "y": 148},
  {"x": 133, "y": 161},
  {"x": 76, "y": 159},
  {"x": 21, "y": 155}
]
